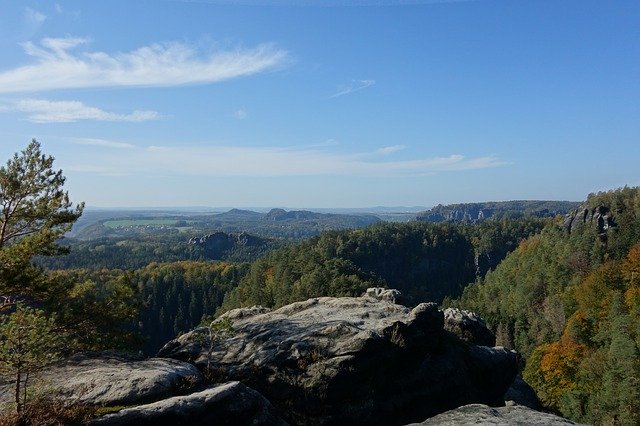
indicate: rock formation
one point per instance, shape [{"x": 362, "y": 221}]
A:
[
  {"x": 479, "y": 414},
  {"x": 345, "y": 360},
  {"x": 228, "y": 404},
  {"x": 103, "y": 379},
  {"x": 600, "y": 218},
  {"x": 469, "y": 327}
]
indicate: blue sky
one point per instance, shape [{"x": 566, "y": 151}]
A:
[{"x": 325, "y": 104}]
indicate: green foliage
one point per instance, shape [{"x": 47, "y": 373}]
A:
[
  {"x": 145, "y": 308},
  {"x": 35, "y": 212},
  {"x": 570, "y": 304},
  {"x": 29, "y": 341},
  {"x": 425, "y": 261}
]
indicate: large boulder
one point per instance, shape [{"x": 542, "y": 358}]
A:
[
  {"x": 351, "y": 361},
  {"x": 228, "y": 404},
  {"x": 521, "y": 393},
  {"x": 103, "y": 379},
  {"x": 469, "y": 327},
  {"x": 479, "y": 414}
]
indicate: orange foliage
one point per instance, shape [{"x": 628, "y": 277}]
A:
[
  {"x": 528, "y": 244},
  {"x": 559, "y": 368},
  {"x": 631, "y": 266}
]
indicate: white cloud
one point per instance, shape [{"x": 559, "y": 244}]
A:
[
  {"x": 218, "y": 161},
  {"x": 354, "y": 86},
  {"x": 33, "y": 17},
  {"x": 58, "y": 66},
  {"x": 104, "y": 143},
  {"x": 390, "y": 149},
  {"x": 45, "y": 111},
  {"x": 240, "y": 114}
]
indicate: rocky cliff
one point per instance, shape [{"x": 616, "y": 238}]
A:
[
  {"x": 326, "y": 361},
  {"x": 360, "y": 360}
]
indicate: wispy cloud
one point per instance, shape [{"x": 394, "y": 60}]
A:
[
  {"x": 354, "y": 86},
  {"x": 390, "y": 149},
  {"x": 218, "y": 161},
  {"x": 33, "y": 17},
  {"x": 58, "y": 66},
  {"x": 45, "y": 111},
  {"x": 240, "y": 114},
  {"x": 103, "y": 143}
]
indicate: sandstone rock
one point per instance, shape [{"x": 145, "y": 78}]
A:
[
  {"x": 522, "y": 394},
  {"x": 114, "y": 380},
  {"x": 352, "y": 361},
  {"x": 228, "y": 404},
  {"x": 387, "y": 294},
  {"x": 469, "y": 327},
  {"x": 479, "y": 414}
]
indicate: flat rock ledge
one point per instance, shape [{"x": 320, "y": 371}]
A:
[
  {"x": 510, "y": 415},
  {"x": 105, "y": 380},
  {"x": 351, "y": 360},
  {"x": 227, "y": 404}
]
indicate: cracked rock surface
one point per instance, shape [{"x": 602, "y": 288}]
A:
[{"x": 362, "y": 360}]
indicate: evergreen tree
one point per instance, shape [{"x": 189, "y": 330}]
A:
[
  {"x": 34, "y": 212},
  {"x": 29, "y": 342}
]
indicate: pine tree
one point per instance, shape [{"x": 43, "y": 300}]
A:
[{"x": 28, "y": 343}]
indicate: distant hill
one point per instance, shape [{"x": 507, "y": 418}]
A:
[{"x": 476, "y": 212}]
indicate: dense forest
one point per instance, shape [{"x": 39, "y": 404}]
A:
[
  {"x": 568, "y": 300},
  {"x": 137, "y": 252},
  {"x": 171, "y": 298},
  {"x": 426, "y": 261}
]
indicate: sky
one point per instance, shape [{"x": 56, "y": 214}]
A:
[{"x": 330, "y": 104}]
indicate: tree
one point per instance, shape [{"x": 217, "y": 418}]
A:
[
  {"x": 29, "y": 342},
  {"x": 35, "y": 212}
]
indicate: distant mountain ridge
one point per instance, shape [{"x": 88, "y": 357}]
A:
[{"x": 477, "y": 212}]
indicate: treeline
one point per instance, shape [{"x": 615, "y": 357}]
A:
[
  {"x": 170, "y": 298},
  {"x": 477, "y": 212},
  {"x": 426, "y": 261},
  {"x": 570, "y": 304},
  {"x": 135, "y": 253}
]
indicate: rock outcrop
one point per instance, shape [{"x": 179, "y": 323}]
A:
[
  {"x": 479, "y": 414},
  {"x": 219, "y": 244},
  {"x": 115, "y": 380},
  {"x": 359, "y": 360},
  {"x": 469, "y": 327},
  {"x": 227, "y": 404},
  {"x": 521, "y": 393},
  {"x": 600, "y": 218}
]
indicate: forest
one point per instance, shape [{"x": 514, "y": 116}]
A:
[{"x": 563, "y": 289}]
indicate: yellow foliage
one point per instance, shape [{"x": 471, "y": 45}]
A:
[{"x": 558, "y": 369}]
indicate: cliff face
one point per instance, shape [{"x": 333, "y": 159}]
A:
[
  {"x": 477, "y": 212},
  {"x": 600, "y": 218},
  {"x": 363, "y": 360},
  {"x": 219, "y": 244}
]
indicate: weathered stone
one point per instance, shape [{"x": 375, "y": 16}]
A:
[
  {"x": 388, "y": 294},
  {"x": 479, "y": 414},
  {"x": 522, "y": 394},
  {"x": 352, "y": 361},
  {"x": 469, "y": 327},
  {"x": 228, "y": 404},
  {"x": 114, "y": 380}
]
